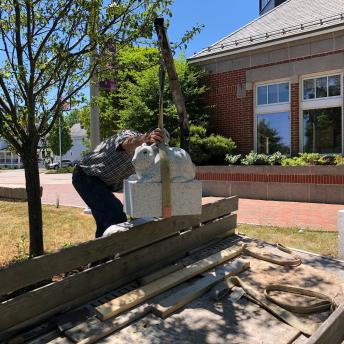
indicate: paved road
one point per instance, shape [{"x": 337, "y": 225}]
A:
[{"x": 258, "y": 212}]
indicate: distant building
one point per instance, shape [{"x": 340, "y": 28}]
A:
[
  {"x": 276, "y": 84},
  {"x": 8, "y": 159},
  {"x": 267, "y": 5},
  {"x": 79, "y": 135}
]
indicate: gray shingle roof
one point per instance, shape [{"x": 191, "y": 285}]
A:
[{"x": 294, "y": 17}]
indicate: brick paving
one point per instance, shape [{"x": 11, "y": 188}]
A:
[
  {"x": 258, "y": 212},
  {"x": 314, "y": 216},
  {"x": 266, "y": 213}
]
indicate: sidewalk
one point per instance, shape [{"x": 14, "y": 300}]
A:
[{"x": 266, "y": 213}]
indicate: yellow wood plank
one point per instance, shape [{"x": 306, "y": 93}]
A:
[{"x": 137, "y": 296}]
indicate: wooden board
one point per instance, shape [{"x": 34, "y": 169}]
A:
[
  {"x": 77, "y": 289},
  {"x": 31, "y": 271},
  {"x": 137, "y": 296},
  {"x": 184, "y": 296},
  {"x": 94, "y": 329},
  {"x": 332, "y": 330}
]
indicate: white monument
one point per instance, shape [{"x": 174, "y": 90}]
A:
[{"x": 142, "y": 191}]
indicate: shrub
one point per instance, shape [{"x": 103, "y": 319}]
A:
[
  {"x": 233, "y": 159},
  {"x": 339, "y": 160},
  {"x": 307, "y": 159},
  {"x": 255, "y": 159},
  {"x": 276, "y": 158},
  {"x": 69, "y": 169},
  {"x": 209, "y": 149}
]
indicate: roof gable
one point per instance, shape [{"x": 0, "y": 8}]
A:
[{"x": 292, "y": 18}]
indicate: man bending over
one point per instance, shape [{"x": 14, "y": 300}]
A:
[{"x": 102, "y": 172}]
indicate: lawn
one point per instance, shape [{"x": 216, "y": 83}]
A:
[
  {"x": 62, "y": 227},
  {"x": 65, "y": 226},
  {"x": 325, "y": 243}
]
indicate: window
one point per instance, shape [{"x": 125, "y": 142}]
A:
[
  {"x": 322, "y": 130},
  {"x": 322, "y": 114},
  {"x": 272, "y": 130},
  {"x": 273, "y": 93},
  {"x": 273, "y": 133},
  {"x": 322, "y": 87}
]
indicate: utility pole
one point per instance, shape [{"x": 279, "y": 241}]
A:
[
  {"x": 94, "y": 111},
  {"x": 60, "y": 141},
  {"x": 94, "y": 83}
]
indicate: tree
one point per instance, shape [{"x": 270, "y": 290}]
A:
[
  {"x": 45, "y": 61},
  {"x": 267, "y": 135},
  {"x": 135, "y": 103},
  {"x": 66, "y": 138}
]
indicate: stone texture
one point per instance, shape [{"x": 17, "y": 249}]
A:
[
  {"x": 13, "y": 192},
  {"x": 145, "y": 199}
]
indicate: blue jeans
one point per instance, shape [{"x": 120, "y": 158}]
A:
[{"x": 106, "y": 209}]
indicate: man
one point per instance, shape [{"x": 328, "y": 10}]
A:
[{"x": 102, "y": 172}]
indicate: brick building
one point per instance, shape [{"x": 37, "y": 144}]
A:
[{"x": 277, "y": 83}]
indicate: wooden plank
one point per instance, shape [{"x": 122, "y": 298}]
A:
[
  {"x": 31, "y": 271},
  {"x": 332, "y": 330},
  {"x": 137, "y": 296},
  {"x": 94, "y": 329},
  {"x": 184, "y": 296},
  {"x": 160, "y": 273},
  {"x": 75, "y": 290}
]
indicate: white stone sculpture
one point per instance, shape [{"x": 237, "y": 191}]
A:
[{"x": 146, "y": 162}]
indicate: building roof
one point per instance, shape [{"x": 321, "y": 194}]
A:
[{"x": 292, "y": 18}]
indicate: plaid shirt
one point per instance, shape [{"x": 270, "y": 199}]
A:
[{"x": 109, "y": 162}]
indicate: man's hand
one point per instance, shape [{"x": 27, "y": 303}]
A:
[{"x": 154, "y": 136}]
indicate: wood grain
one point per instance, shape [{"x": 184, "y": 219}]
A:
[
  {"x": 29, "y": 272},
  {"x": 332, "y": 330},
  {"x": 77, "y": 289},
  {"x": 140, "y": 295},
  {"x": 184, "y": 296}
]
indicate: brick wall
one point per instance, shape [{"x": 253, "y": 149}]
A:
[
  {"x": 233, "y": 113},
  {"x": 319, "y": 184},
  {"x": 233, "y": 107}
]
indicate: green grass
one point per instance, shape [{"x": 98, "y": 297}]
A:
[
  {"x": 65, "y": 226},
  {"x": 62, "y": 227},
  {"x": 324, "y": 243}
]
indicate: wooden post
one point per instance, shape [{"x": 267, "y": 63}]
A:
[{"x": 175, "y": 87}]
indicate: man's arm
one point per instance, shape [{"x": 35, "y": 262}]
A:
[{"x": 131, "y": 143}]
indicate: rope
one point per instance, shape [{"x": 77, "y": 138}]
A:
[
  {"x": 281, "y": 309},
  {"x": 296, "y": 261},
  {"x": 275, "y": 309},
  {"x": 327, "y": 303},
  {"x": 164, "y": 163}
]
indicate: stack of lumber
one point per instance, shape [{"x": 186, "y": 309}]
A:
[{"x": 139, "y": 250}]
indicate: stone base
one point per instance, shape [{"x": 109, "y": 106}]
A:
[
  {"x": 14, "y": 192},
  {"x": 144, "y": 199}
]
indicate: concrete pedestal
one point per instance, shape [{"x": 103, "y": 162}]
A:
[
  {"x": 341, "y": 234},
  {"x": 144, "y": 199}
]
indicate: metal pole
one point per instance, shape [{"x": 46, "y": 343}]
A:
[
  {"x": 94, "y": 111},
  {"x": 94, "y": 82},
  {"x": 60, "y": 140}
]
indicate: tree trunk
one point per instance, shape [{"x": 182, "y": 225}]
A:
[{"x": 33, "y": 189}]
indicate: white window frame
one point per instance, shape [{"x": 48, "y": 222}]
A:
[
  {"x": 322, "y": 76},
  {"x": 269, "y": 108},
  {"x": 267, "y": 84},
  {"x": 320, "y": 103}
]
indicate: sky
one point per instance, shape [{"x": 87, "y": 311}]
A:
[{"x": 220, "y": 17}]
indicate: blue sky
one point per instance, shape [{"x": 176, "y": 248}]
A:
[{"x": 220, "y": 17}]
